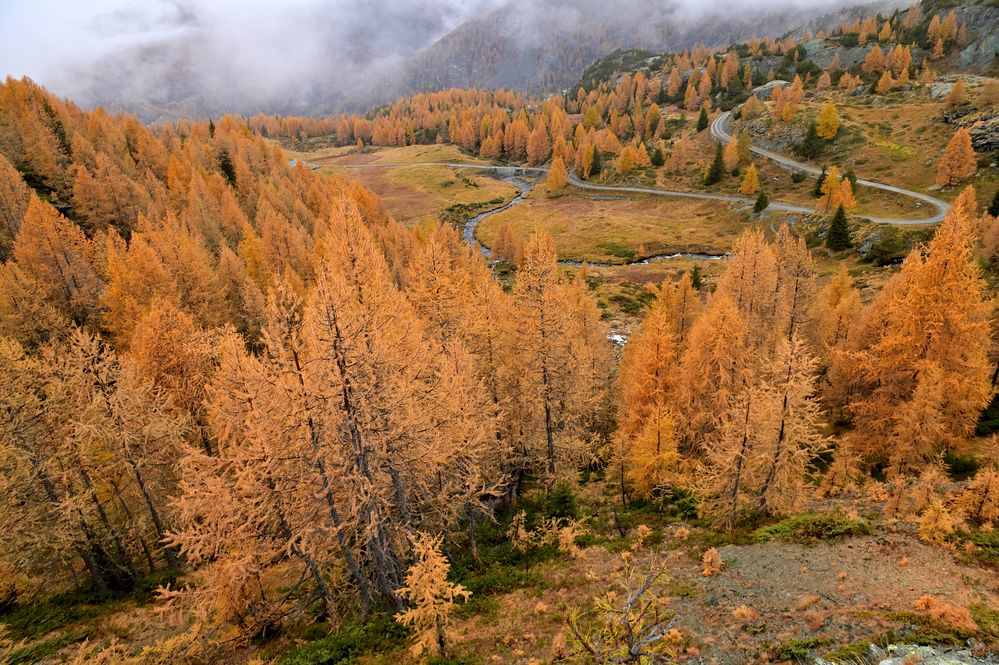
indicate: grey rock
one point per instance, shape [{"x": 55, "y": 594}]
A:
[
  {"x": 765, "y": 90},
  {"x": 902, "y": 654}
]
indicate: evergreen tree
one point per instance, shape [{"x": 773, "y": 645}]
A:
[
  {"x": 227, "y": 168},
  {"x": 695, "y": 277},
  {"x": 762, "y": 202},
  {"x": 812, "y": 146},
  {"x": 658, "y": 158},
  {"x": 597, "y": 165},
  {"x": 717, "y": 170},
  {"x": 702, "y": 120},
  {"x": 838, "y": 237},
  {"x": 852, "y": 177},
  {"x": 994, "y": 206},
  {"x": 817, "y": 192}
]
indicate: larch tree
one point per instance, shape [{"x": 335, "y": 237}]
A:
[
  {"x": 127, "y": 439},
  {"x": 56, "y": 254},
  {"x": 47, "y": 522},
  {"x": 828, "y": 121},
  {"x": 14, "y": 197},
  {"x": 958, "y": 95},
  {"x": 958, "y": 161},
  {"x": 731, "y": 470},
  {"x": 555, "y": 392},
  {"x": 410, "y": 450},
  {"x": 790, "y": 415},
  {"x": 170, "y": 350},
  {"x": 750, "y": 282},
  {"x": 920, "y": 365},
  {"x": 751, "y": 181},
  {"x": 653, "y": 461},
  {"x": 648, "y": 367},
  {"x": 557, "y": 175},
  {"x": 831, "y": 190},
  {"x": 505, "y": 246},
  {"x": 885, "y": 83},
  {"x": 714, "y": 369},
  {"x": 795, "y": 284},
  {"x": 752, "y": 108},
  {"x": 431, "y": 597},
  {"x": 731, "y": 154},
  {"x": 834, "y": 312},
  {"x": 539, "y": 146}
]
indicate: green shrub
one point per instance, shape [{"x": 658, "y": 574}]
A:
[
  {"x": 376, "y": 635},
  {"x": 560, "y": 502},
  {"x": 988, "y": 421},
  {"x": 678, "y": 503},
  {"x": 960, "y": 467},
  {"x": 811, "y": 528}
]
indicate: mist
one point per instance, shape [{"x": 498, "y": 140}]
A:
[
  {"x": 218, "y": 55},
  {"x": 166, "y": 59}
]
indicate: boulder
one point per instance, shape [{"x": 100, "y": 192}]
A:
[{"x": 765, "y": 90}]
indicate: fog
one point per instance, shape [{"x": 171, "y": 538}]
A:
[
  {"x": 278, "y": 54},
  {"x": 169, "y": 58}
]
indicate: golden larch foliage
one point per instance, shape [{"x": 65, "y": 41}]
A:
[
  {"x": 958, "y": 161},
  {"x": 828, "y": 121},
  {"x": 431, "y": 597}
]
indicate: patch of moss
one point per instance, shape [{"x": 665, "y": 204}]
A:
[
  {"x": 855, "y": 652},
  {"x": 799, "y": 650},
  {"x": 987, "y": 544},
  {"x": 987, "y": 620},
  {"x": 811, "y": 528}
]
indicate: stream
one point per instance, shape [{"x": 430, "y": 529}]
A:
[{"x": 524, "y": 187}]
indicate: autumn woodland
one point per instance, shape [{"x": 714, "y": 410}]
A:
[{"x": 247, "y": 415}]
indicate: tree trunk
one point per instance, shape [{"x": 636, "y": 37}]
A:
[{"x": 131, "y": 518}]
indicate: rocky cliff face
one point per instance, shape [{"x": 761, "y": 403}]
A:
[
  {"x": 982, "y": 124},
  {"x": 982, "y": 54}
]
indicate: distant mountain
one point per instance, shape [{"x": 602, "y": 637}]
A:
[
  {"x": 350, "y": 55},
  {"x": 543, "y": 46}
]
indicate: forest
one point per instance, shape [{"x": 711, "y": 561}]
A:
[{"x": 235, "y": 383}]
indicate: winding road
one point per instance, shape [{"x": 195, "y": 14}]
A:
[{"x": 720, "y": 129}]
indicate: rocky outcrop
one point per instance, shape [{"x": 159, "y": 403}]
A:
[
  {"x": 904, "y": 654},
  {"x": 983, "y": 126},
  {"x": 767, "y": 89},
  {"x": 941, "y": 87},
  {"x": 981, "y": 53},
  {"x": 780, "y": 137}
]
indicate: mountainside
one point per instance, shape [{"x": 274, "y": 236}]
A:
[
  {"x": 330, "y": 57},
  {"x": 541, "y": 47},
  {"x": 977, "y": 53}
]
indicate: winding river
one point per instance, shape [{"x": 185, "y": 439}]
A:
[
  {"x": 468, "y": 231},
  {"x": 720, "y": 130}
]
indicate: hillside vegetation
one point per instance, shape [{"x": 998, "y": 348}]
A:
[{"x": 261, "y": 403}]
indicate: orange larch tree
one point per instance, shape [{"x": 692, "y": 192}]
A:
[{"x": 958, "y": 161}]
